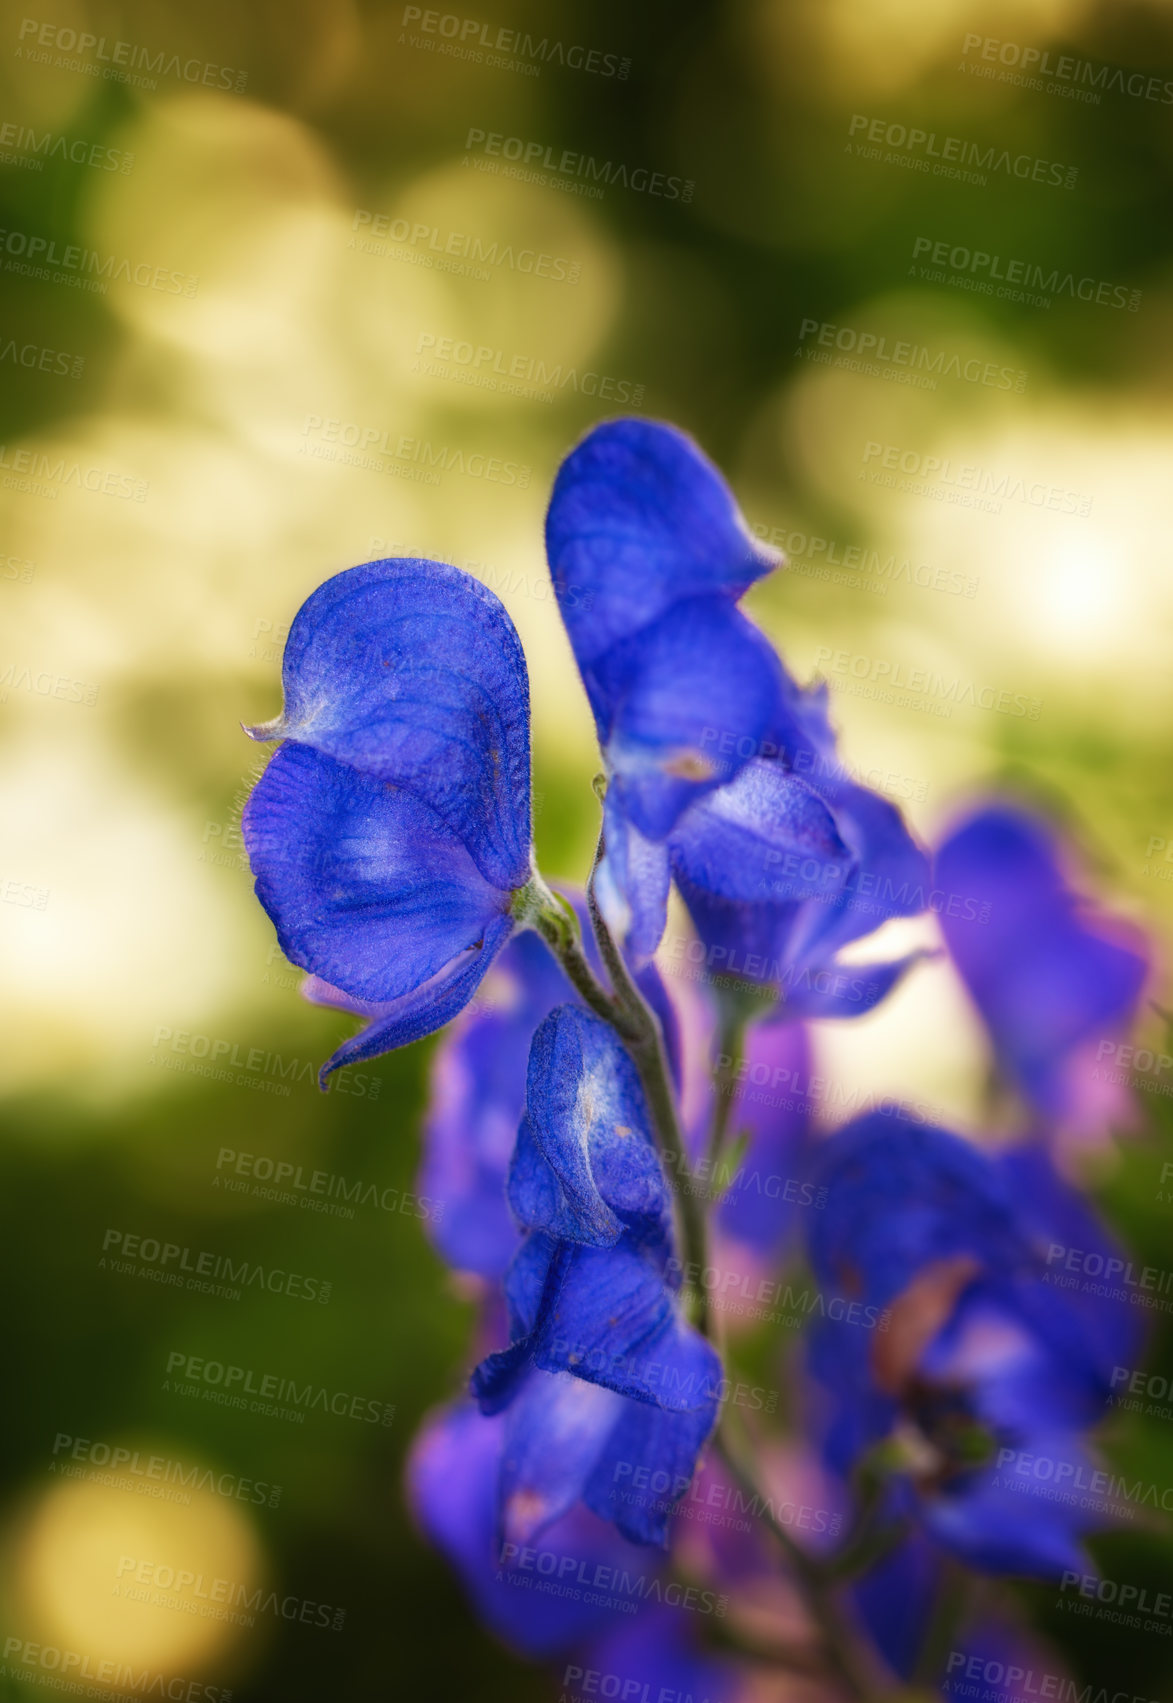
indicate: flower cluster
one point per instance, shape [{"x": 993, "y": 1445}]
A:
[{"x": 629, "y": 1165}]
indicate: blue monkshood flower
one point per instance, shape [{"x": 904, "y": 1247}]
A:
[
  {"x": 478, "y": 1097},
  {"x": 778, "y": 915},
  {"x": 604, "y": 1379},
  {"x": 390, "y": 832},
  {"x": 542, "y": 1598},
  {"x": 1056, "y": 981},
  {"x": 721, "y": 772},
  {"x": 976, "y": 1364}
]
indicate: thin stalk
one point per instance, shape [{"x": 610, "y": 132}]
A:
[
  {"x": 845, "y": 1657},
  {"x": 646, "y": 1047},
  {"x": 730, "y": 1050}
]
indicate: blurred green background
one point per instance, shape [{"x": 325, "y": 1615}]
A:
[{"x": 235, "y": 241}]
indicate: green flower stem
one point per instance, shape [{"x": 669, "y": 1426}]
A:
[
  {"x": 730, "y": 1048},
  {"x": 536, "y": 907},
  {"x": 647, "y": 1049}
]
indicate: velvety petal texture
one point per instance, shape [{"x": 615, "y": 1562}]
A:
[
  {"x": 412, "y": 672},
  {"x": 1049, "y": 974},
  {"x": 593, "y": 1288},
  {"x": 392, "y": 826},
  {"x": 479, "y": 1093},
  {"x": 454, "y": 1485}
]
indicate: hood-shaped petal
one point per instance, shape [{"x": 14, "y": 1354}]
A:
[
  {"x": 586, "y": 1152},
  {"x": 366, "y": 885},
  {"x": 681, "y": 706},
  {"x": 744, "y": 840},
  {"x": 412, "y": 673},
  {"x": 639, "y": 519}
]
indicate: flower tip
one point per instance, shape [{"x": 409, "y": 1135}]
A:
[{"x": 264, "y": 732}]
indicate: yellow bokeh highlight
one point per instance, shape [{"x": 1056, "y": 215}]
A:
[{"x": 130, "y": 1580}]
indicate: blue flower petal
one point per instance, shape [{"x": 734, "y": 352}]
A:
[
  {"x": 453, "y": 1480},
  {"x": 645, "y": 1466},
  {"x": 888, "y": 877},
  {"x": 900, "y": 1197},
  {"x": 993, "y": 1526},
  {"x": 737, "y": 842},
  {"x": 639, "y": 518},
  {"x": 554, "y": 1433},
  {"x": 412, "y": 672},
  {"x": 616, "y": 1323},
  {"x": 632, "y": 883},
  {"x": 687, "y": 702},
  {"x": 398, "y": 1022},
  {"x": 844, "y": 990},
  {"x": 364, "y": 883},
  {"x": 1047, "y": 973},
  {"x": 587, "y": 1125}
]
